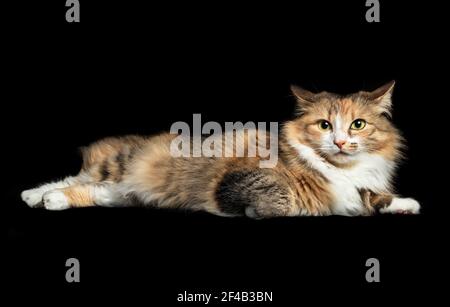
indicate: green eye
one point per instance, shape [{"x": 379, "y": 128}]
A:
[
  {"x": 358, "y": 124},
  {"x": 324, "y": 125}
]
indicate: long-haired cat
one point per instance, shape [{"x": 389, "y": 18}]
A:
[{"x": 337, "y": 157}]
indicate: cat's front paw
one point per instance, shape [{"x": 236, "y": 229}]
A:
[
  {"x": 32, "y": 197},
  {"x": 55, "y": 200},
  {"x": 402, "y": 206}
]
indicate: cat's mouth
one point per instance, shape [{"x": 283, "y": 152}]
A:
[{"x": 343, "y": 153}]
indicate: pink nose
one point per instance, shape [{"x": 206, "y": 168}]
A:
[{"x": 339, "y": 143}]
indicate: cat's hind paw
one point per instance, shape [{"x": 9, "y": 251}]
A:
[
  {"x": 402, "y": 206},
  {"x": 55, "y": 200},
  {"x": 32, "y": 197}
]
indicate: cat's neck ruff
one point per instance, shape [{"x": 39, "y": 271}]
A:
[{"x": 370, "y": 171}]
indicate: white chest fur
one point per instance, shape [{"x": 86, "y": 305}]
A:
[{"x": 370, "y": 172}]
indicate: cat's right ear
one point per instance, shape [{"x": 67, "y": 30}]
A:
[
  {"x": 304, "y": 97},
  {"x": 382, "y": 97}
]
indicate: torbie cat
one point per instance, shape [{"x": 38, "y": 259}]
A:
[{"x": 337, "y": 157}]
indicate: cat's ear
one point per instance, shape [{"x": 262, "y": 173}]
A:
[
  {"x": 304, "y": 97},
  {"x": 382, "y": 97}
]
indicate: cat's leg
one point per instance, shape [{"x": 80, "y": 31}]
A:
[
  {"x": 256, "y": 194},
  {"x": 402, "y": 206},
  {"x": 272, "y": 202},
  {"x": 33, "y": 197},
  {"x": 83, "y": 195},
  {"x": 388, "y": 203}
]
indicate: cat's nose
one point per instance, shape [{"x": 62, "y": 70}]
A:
[{"x": 339, "y": 143}]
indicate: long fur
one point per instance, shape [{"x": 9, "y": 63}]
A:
[{"x": 319, "y": 172}]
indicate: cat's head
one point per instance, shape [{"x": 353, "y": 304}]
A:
[{"x": 342, "y": 128}]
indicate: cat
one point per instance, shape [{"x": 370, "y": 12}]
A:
[{"x": 337, "y": 157}]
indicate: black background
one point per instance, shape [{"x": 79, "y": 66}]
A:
[{"x": 130, "y": 68}]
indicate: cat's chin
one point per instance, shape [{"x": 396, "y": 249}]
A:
[{"x": 342, "y": 158}]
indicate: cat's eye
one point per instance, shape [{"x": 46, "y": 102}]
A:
[
  {"x": 358, "y": 124},
  {"x": 324, "y": 125}
]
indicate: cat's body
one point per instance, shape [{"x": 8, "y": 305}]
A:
[{"x": 326, "y": 165}]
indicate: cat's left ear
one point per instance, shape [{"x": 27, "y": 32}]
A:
[{"x": 382, "y": 97}]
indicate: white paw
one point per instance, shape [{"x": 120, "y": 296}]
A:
[
  {"x": 251, "y": 212},
  {"x": 32, "y": 197},
  {"x": 402, "y": 205},
  {"x": 104, "y": 196},
  {"x": 55, "y": 200}
]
